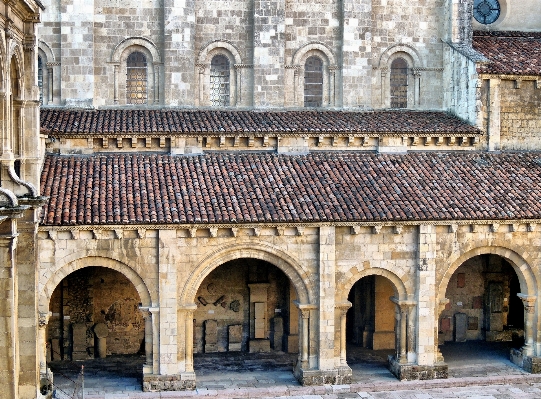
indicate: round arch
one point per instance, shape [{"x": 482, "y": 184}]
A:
[
  {"x": 374, "y": 271},
  {"x": 16, "y": 51},
  {"x": 46, "y": 51},
  {"x": 218, "y": 47},
  {"x": 408, "y": 51},
  {"x": 289, "y": 266},
  {"x": 116, "y": 55},
  {"x": 313, "y": 48},
  {"x": 523, "y": 270},
  {"x": 89, "y": 261}
]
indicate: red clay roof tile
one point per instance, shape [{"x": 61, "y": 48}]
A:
[
  {"x": 271, "y": 188},
  {"x": 126, "y": 121},
  {"x": 510, "y": 53}
]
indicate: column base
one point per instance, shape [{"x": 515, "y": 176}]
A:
[
  {"x": 410, "y": 372},
  {"x": 531, "y": 364},
  {"x": 178, "y": 382},
  {"x": 46, "y": 384},
  {"x": 340, "y": 375}
]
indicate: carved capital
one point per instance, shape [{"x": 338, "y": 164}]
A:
[{"x": 43, "y": 319}]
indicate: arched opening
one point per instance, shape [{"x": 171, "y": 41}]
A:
[
  {"x": 219, "y": 81},
  {"x": 484, "y": 317},
  {"x": 245, "y": 320},
  {"x": 313, "y": 82},
  {"x": 399, "y": 83},
  {"x": 371, "y": 324},
  {"x": 95, "y": 320},
  {"x": 136, "y": 78},
  {"x": 15, "y": 107}
]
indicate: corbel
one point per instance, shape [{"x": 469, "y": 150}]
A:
[
  {"x": 265, "y": 141},
  {"x": 236, "y": 141},
  {"x": 257, "y": 231},
  {"x": 514, "y": 227},
  {"x": 162, "y": 142},
  {"x": 398, "y": 229},
  {"x": 453, "y": 228},
  {"x": 428, "y": 141},
  {"x": 334, "y": 141},
  {"x": 133, "y": 142},
  {"x": 355, "y": 230},
  {"x": 465, "y": 141},
  {"x": 377, "y": 228},
  {"x": 222, "y": 141},
  {"x": 52, "y": 234},
  {"x": 251, "y": 141},
  {"x": 537, "y": 84},
  {"x": 474, "y": 228},
  {"x": 452, "y": 140},
  {"x": 213, "y": 231},
  {"x": 280, "y": 230},
  {"x": 193, "y": 232},
  {"x": 494, "y": 227},
  {"x": 364, "y": 141},
  {"x": 148, "y": 142},
  {"x": 439, "y": 141},
  {"x": 104, "y": 142},
  {"x": 119, "y": 142},
  {"x": 118, "y": 234},
  {"x": 475, "y": 140},
  {"x": 75, "y": 234},
  {"x": 320, "y": 140},
  {"x": 414, "y": 141},
  {"x": 234, "y": 231},
  {"x": 518, "y": 83},
  {"x": 351, "y": 140},
  {"x": 141, "y": 233},
  {"x": 90, "y": 142},
  {"x": 300, "y": 230},
  {"x": 531, "y": 227},
  {"x": 96, "y": 234}
]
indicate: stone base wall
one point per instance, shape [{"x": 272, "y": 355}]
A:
[
  {"x": 531, "y": 364},
  {"x": 181, "y": 382},
  {"x": 341, "y": 375},
  {"x": 409, "y": 372}
]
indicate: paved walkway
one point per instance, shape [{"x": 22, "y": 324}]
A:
[{"x": 224, "y": 375}]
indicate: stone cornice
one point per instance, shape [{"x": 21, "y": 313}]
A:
[{"x": 202, "y": 226}]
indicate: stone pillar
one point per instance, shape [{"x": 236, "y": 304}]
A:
[
  {"x": 147, "y": 316},
  {"x": 188, "y": 320},
  {"x": 101, "y": 332},
  {"x": 115, "y": 83},
  {"x": 404, "y": 341},
  {"x": 493, "y": 116},
  {"x": 305, "y": 339},
  {"x": 155, "y": 319},
  {"x": 9, "y": 365},
  {"x": 529, "y": 324},
  {"x": 327, "y": 287},
  {"x": 343, "y": 310}
]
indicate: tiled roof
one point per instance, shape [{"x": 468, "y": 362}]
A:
[
  {"x": 263, "y": 187},
  {"x": 510, "y": 53},
  {"x": 174, "y": 121}
]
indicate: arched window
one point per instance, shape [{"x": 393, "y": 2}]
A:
[
  {"x": 313, "y": 82},
  {"x": 40, "y": 80},
  {"x": 15, "y": 107},
  {"x": 136, "y": 78},
  {"x": 219, "y": 81},
  {"x": 399, "y": 83}
]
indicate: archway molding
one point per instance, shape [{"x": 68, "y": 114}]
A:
[
  {"x": 400, "y": 287},
  {"x": 118, "y": 53},
  {"x": 410, "y": 53},
  {"x": 528, "y": 284},
  {"x": 291, "y": 268},
  {"x": 93, "y": 261}
]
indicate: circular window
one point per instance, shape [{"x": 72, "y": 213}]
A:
[{"x": 486, "y": 11}]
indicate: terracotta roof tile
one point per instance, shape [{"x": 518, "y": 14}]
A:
[
  {"x": 262, "y": 187},
  {"x": 510, "y": 53},
  {"x": 125, "y": 121}
]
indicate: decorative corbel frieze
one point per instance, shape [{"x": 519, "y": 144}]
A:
[
  {"x": 439, "y": 141},
  {"x": 162, "y": 142},
  {"x": 192, "y": 232},
  {"x": 222, "y": 141},
  {"x": 452, "y": 141},
  {"x": 257, "y": 231},
  {"x": 265, "y": 141},
  {"x": 234, "y": 231},
  {"x": 414, "y": 141},
  {"x": 148, "y": 142},
  {"x": 105, "y": 142},
  {"x": 453, "y": 228},
  {"x": 531, "y": 227},
  {"x": 280, "y": 230},
  {"x": 300, "y": 230},
  {"x": 75, "y": 234},
  {"x": 465, "y": 141},
  {"x": 377, "y": 229},
  {"x": 96, "y": 234},
  {"x": 514, "y": 227},
  {"x": 428, "y": 141},
  {"x": 119, "y": 142},
  {"x": 474, "y": 228},
  {"x": 213, "y": 231},
  {"x": 355, "y": 230},
  {"x": 133, "y": 142},
  {"x": 364, "y": 141},
  {"x": 251, "y": 141},
  {"x": 351, "y": 140},
  {"x": 518, "y": 83},
  {"x": 494, "y": 227},
  {"x": 52, "y": 234},
  {"x": 398, "y": 229},
  {"x": 119, "y": 234},
  {"x": 236, "y": 141},
  {"x": 90, "y": 142},
  {"x": 141, "y": 233}
]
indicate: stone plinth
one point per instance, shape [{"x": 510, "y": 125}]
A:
[
  {"x": 155, "y": 383},
  {"x": 338, "y": 376},
  {"x": 531, "y": 364},
  {"x": 259, "y": 345},
  {"x": 410, "y": 372}
]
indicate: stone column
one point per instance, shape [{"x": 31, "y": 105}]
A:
[
  {"x": 529, "y": 324},
  {"x": 332, "y": 85},
  {"x": 416, "y": 88},
  {"x": 385, "y": 93},
  {"x": 147, "y": 316},
  {"x": 405, "y": 330},
  {"x": 43, "y": 320},
  {"x": 327, "y": 288},
  {"x": 188, "y": 311},
  {"x": 155, "y": 320},
  {"x": 343, "y": 310},
  {"x": 115, "y": 83},
  {"x": 305, "y": 339}
]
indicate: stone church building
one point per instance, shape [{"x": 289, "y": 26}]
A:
[{"x": 183, "y": 176}]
